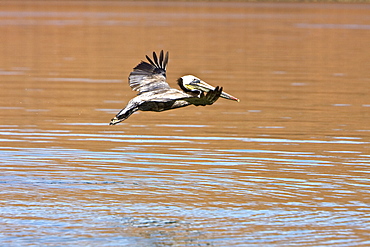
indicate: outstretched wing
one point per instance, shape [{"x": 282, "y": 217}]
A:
[
  {"x": 150, "y": 76},
  {"x": 206, "y": 99}
]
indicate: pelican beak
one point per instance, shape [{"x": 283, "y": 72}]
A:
[{"x": 205, "y": 87}]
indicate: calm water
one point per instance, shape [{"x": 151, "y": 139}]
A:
[{"x": 288, "y": 165}]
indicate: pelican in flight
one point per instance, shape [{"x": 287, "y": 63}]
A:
[{"x": 149, "y": 79}]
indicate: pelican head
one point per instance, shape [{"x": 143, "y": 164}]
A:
[{"x": 190, "y": 83}]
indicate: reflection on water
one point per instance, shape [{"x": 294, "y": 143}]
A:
[
  {"x": 195, "y": 189},
  {"x": 288, "y": 165}
]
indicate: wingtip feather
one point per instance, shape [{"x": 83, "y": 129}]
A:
[{"x": 155, "y": 59}]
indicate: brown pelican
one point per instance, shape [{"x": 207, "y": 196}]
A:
[{"x": 156, "y": 95}]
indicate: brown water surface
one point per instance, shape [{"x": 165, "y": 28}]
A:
[{"x": 288, "y": 165}]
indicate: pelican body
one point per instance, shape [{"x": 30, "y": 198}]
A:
[{"x": 149, "y": 79}]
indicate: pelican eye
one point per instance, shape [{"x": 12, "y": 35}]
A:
[{"x": 195, "y": 81}]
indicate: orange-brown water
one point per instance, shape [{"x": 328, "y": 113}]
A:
[{"x": 288, "y": 165}]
